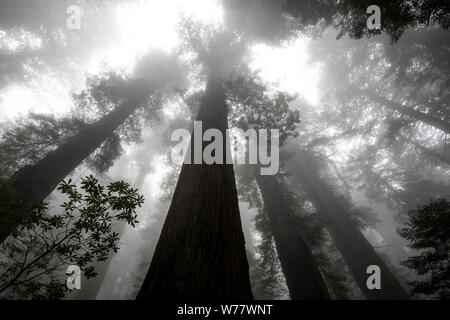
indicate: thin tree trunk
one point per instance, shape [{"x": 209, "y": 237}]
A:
[
  {"x": 408, "y": 111},
  {"x": 34, "y": 183},
  {"x": 201, "y": 251},
  {"x": 303, "y": 277},
  {"x": 144, "y": 170},
  {"x": 354, "y": 247}
]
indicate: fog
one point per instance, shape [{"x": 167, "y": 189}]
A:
[{"x": 98, "y": 87}]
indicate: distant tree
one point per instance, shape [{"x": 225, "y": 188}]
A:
[
  {"x": 188, "y": 263},
  {"x": 143, "y": 155},
  {"x": 29, "y": 138},
  {"x": 265, "y": 272},
  {"x": 253, "y": 105},
  {"x": 403, "y": 87},
  {"x": 119, "y": 99},
  {"x": 343, "y": 220},
  {"x": 428, "y": 230},
  {"x": 36, "y": 255}
]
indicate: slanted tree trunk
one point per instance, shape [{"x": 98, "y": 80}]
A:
[
  {"x": 201, "y": 251},
  {"x": 144, "y": 170},
  {"x": 34, "y": 183},
  {"x": 354, "y": 247},
  {"x": 408, "y": 111},
  {"x": 303, "y": 277},
  {"x": 442, "y": 156}
]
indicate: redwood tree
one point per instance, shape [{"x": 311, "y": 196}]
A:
[
  {"x": 34, "y": 183},
  {"x": 201, "y": 251},
  {"x": 354, "y": 247}
]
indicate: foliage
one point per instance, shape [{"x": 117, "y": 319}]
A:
[
  {"x": 313, "y": 230},
  {"x": 30, "y": 138},
  {"x": 103, "y": 158},
  {"x": 10, "y": 208},
  {"x": 154, "y": 79},
  {"x": 103, "y": 93},
  {"x": 392, "y": 158},
  {"x": 267, "y": 269},
  {"x": 274, "y": 21},
  {"x": 252, "y": 104},
  {"x": 397, "y": 16},
  {"x": 428, "y": 230},
  {"x": 216, "y": 50},
  {"x": 35, "y": 257},
  {"x": 108, "y": 91},
  {"x": 350, "y": 16}
]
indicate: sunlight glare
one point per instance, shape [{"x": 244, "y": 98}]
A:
[
  {"x": 289, "y": 67},
  {"x": 52, "y": 98},
  {"x": 152, "y": 24}
]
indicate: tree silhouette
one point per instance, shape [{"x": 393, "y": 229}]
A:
[
  {"x": 428, "y": 231},
  {"x": 40, "y": 250}
]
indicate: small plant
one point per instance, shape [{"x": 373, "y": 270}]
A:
[{"x": 33, "y": 260}]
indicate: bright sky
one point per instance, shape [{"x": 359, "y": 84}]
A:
[
  {"x": 289, "y": 67},
  {"x": 151, "y": 24},
  {"x": 46, "y": 94}
]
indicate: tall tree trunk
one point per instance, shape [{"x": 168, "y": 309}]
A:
[
  {"x": 408, "y": 111},
  {"x": 303, "y": 277},
  {"x": 34, "y": 183},
  {"x": 354, "y": 247},
  {"x": 201, "y": 251}
]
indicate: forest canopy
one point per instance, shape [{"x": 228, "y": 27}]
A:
[{"x": 346, "y": 102}]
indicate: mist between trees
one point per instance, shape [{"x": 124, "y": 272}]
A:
[
  {"x": 256, "y": 147},
  {"x": 319, "y": 149}
]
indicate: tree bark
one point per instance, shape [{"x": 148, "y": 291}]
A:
[
  {"x": 354, "y": 247},
  {"x": 303, "y": 277},
  {"x": 201, "y": 251},
  {"x": 34, "y": 183}
]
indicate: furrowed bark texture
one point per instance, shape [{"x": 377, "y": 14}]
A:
[
  {"x": 303, "y": 277},
  {"x": 354, "y": 247},
  {"x": 34, "y": 183},
  {"x": 201, "y": 251}
]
